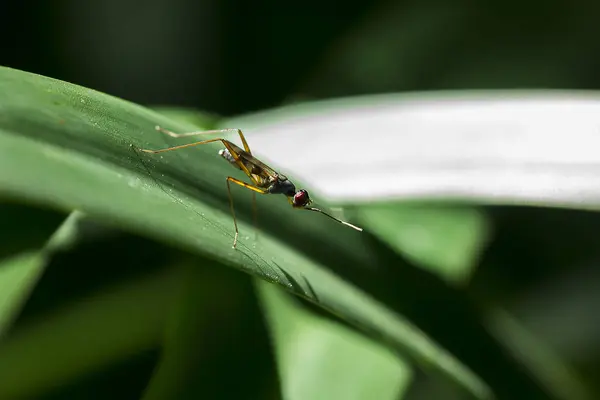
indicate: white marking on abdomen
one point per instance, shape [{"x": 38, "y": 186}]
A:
[{"x": 227, "y": 155}]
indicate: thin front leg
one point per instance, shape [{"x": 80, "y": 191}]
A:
[
  {"x": 187, "y": 134},
  {"x": 255, "y": 189},
  {"x": 183, "y": 146},
  {"x": 254, "y": 214}
]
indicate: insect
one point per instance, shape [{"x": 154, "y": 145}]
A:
[{"x": 265, "y": 180}]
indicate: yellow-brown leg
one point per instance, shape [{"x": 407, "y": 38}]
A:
[
  {"x": 183, "y": 146},
  {"x": 254, "y": 214},
  {"x": 213, "y": 131},
  {"x": 255, "y": 189},
  {"x": 225, "y": 142}
]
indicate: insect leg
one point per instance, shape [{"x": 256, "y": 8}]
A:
[
  {"x": 254, "y": 214},
  {"x": 255, "y": 189},
  {"x": 225, "y": 142},
  {"x": 183, "y": 146},
  {"x": 213, "y": 131}
]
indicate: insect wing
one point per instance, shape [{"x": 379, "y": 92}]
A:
[{"x": 263, "y": 169}]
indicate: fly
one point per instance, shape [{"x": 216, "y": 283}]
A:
[{"x": 265, "y": 180}]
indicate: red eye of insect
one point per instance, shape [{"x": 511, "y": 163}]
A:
[{"x": 301, "y": 198}]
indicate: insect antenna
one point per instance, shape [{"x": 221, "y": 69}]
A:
[{"x": 334, "y": 218}]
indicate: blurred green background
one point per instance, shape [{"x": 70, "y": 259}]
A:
[
  {"x": 535, "y": 285},
  {"x": 234, "y": 57}
]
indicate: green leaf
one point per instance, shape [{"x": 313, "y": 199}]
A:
[
  {"x": 83, "y": 337},
  {"x": 214, "y": 335},
  {"x": 71, "y": 148},
  {"x": 484, "y": 147},
  {"x": 550, "y": 368},
  {"x": 19, "y": 274},
  {"x": 320, "y": 359},
  {"x": 193, "y": 117},
  {"x": 442, "y": 238}
]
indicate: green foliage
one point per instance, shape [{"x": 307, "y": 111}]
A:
[{"x": 137, "y": 265}]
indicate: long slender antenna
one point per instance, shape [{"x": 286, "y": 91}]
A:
[{"x": 334, "y": 218}]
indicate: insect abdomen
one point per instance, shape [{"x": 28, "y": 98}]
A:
[
  {"x": 227, "y": 155},
  {"x": 254, "y": 171}
]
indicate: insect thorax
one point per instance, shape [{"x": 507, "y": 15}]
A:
[
  {"x": 282, "y": 187},
  {"x": 262, "y": 182}
]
